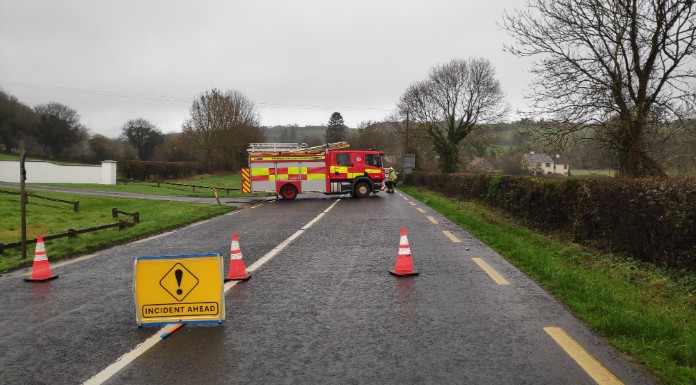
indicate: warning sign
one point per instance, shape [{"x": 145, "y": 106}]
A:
[
  {"x": 175, "y": 284},
  {"x": 179, "y": 288}
]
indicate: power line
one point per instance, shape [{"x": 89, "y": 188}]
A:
[{"x": 131, "y": 95}]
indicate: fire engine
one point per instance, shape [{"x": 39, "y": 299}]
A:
[{"x": 288, "y": 169}]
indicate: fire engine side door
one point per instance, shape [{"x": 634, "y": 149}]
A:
[{"x": 288, "y": 172}]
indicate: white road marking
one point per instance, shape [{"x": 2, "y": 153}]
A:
[
  {"x": 200, "y": 223},
  {"x": 431, "y": 219},
  {"x": 420, "y": 209},
  {"x": 153, "y": 237},
  {"x": 129, "y": 357}
]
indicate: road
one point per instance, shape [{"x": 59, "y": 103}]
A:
[{"x": 320, "y": 307}]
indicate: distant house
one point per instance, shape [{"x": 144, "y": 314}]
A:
[
  {"x": 480, "y": 165},
  {"x": 544, "y": 164}
]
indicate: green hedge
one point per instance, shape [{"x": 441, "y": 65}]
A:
[
  {"x": 147, "y": 170},
  {"x": 649, "y": 219}
]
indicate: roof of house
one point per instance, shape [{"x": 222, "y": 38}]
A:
[
  {"x": 539, "y": 158},
  {"x": 480, "y": 162}
]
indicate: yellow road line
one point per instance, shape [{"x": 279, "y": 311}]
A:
[
  {"x": 587, "y": 362},
  {"x": 432, "y": 220},
  {"x": 451, "y": 236},
  {"x": 420, "y": 209},
  {"x": 412, "y": 203},
  {"x": 491, "y": 271},
  {"x": 405, "y": 198}
]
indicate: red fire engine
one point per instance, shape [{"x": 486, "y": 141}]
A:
[{"x": 288, "y": 169}]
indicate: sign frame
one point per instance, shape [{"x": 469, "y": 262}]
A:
[{"x": 163, "y": 289}]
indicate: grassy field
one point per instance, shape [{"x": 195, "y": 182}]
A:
[
  {"x": 606, "y": 172},
  {"x": 230, "y": 181},
  {"x": 647, "y": 312},
  {"x": 47, "y": 217}
]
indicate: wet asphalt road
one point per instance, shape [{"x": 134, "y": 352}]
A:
[{"x": 323, "y": 310}]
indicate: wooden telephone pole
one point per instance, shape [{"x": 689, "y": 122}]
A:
[{"x": 23, "y": 196}]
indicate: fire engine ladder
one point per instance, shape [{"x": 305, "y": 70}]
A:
[{"x": 294, "y": 148}]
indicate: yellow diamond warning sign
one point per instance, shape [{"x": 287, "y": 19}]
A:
[
  {"x": 179, "y": 282},
  {"x": 179, "y": 288}
]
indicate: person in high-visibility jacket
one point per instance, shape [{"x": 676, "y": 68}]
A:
[{"x": 391, "y": 180}]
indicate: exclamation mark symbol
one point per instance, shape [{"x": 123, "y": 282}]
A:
[{"x": 178, "y": 274}]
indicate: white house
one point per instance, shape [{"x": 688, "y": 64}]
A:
[{"x": 544, "y": 164}]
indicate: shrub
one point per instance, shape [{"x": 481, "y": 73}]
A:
[
  {"x": 147, "y": 170},
  {"x": 649, "y": 219}
]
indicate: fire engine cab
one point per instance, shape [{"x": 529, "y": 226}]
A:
[{"x": 288, "y": 169}]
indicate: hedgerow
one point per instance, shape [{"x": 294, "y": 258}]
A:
[{"x": 649, "y": 219}]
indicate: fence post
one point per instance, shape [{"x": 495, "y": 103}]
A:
[
  {"x": 114, "y": 212},
  {"x": 76, "y": 206},
  {"x": 136, "y": 217}
]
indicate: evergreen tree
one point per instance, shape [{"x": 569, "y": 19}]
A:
[{"x": 336, "y": 130}]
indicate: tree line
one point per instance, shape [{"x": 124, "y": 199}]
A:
[{"x": 614, "y": 79}]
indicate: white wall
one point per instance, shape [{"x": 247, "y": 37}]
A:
[{"x": 47, "y": 172}]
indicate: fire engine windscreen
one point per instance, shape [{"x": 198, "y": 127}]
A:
[{"x": 373, "y": 160}]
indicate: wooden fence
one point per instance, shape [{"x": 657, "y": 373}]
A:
[
  {"x": 76, "y": 204},
  {"x": 71, "y": 233}
]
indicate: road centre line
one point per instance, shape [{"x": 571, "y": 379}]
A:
[
  {"x": 412, "y": 203},
  {"x": 587, "y": 362},
  {"x": 491, "y": 271},
  {"x": 405, "y": 198},
  {"x": 420, "y": 209},
  {"x": 432, "y": 220},
  {"x": 129, "y": 357},
  {"x": 451, "y": 236}
]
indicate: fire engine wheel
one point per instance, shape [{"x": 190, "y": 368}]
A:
[
  {"x": 362, "y": 190},
  {"x": 288, "y": 192}
]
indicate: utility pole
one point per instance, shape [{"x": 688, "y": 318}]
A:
[
  {"x": 23, "y": 196},
  {"x": 408, "y": 145}
]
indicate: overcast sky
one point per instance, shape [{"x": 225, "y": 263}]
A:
[{"x": 297, "y": 60}]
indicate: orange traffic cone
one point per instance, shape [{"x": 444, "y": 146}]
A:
[
  {"x": 40, "y": 271},
  {"x": 237, "y": 269},
  {"x": 404, "y": 262}
]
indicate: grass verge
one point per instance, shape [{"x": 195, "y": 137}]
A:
[
  {"x": 47, "y": 218},
  {"x": 230, "y": 181},
  {"x": 647, "y": 312}
]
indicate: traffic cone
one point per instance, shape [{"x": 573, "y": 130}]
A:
[
  {"x": 404, "y": 262},
  {"x": 237, "y": 269},
  {"x": 40, "y": 271}
]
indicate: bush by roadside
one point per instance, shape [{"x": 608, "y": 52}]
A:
[
  {"x": 650, "y": 219},
  {"x": 646, "y": 311}
]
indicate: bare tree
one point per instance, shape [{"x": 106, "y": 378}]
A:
[
  {"x": 617, "y": 67},
  {"x": 451, "y": 103},
  {"x": 222, "y": 125}
]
